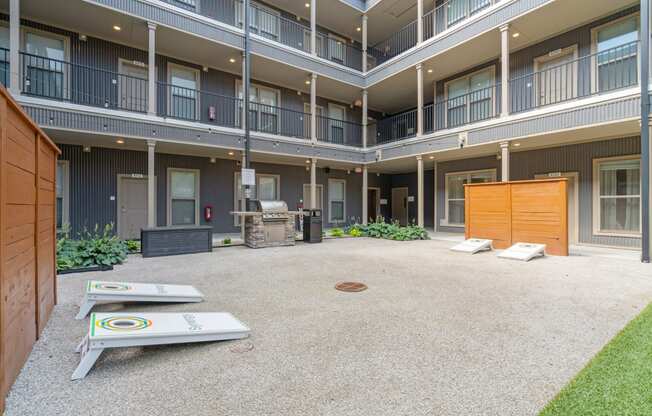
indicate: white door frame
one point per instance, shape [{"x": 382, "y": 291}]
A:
[
  {"x": 377, "y": 189},
  {"x": 574, "y": 233},
  {"x": 118, "y": 197}
]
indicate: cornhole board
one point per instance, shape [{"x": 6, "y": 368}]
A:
[
  {"x": 473, "y": 245},
  {"x": 121, "y": 330},
  {"x": 119, "y": 292},
  {"x": 523, "y": 251}
]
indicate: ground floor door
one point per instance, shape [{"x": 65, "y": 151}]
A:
[
  {"x": 132, "y": 207},
  {"x": 373, "y": 203},
  {"x": 573, "y": 202},
  {"x": 400, "y": 205}
]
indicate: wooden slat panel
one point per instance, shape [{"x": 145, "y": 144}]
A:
[
  {"x": 20, "y": 186},
  {"x": 488, "y": 214}
]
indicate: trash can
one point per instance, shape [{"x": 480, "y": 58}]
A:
[{"x": 312, "y": 226}]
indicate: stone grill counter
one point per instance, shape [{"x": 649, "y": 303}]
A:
[{"x": 271, "y": 225}]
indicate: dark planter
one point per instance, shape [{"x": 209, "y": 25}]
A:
[
  {"x": 171, "y": 241},
  {"x": 100, "y": 268}
]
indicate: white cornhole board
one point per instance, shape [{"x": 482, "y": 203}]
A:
[
  {"x": 473, "y": 245},
  {"x": 119, "y": 292},
  {"x": 118, "y": 330},
  {"x": 523, "y": 251}
]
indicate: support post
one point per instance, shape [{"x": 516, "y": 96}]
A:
[
  {"x": 313, "y": 27},
  {"x": 419, "y": 22},
  {"x": 365, "y": 118},
  {"x": 365, "y": 41},
  {"x": 14, "y": 47},
  {"x": 313, "y": 183},
  {"x": 435, "y": 220},
  {"x": 645, "y": 131},
  {"x": 151, "y": 69},
  {"x": 419, "y": 100},
  {"x": 313, "y": 108},
  {"x": 504, "y": 159},
  {"x": 246, "y": 82},
  {"x": 151, "y": 184},
  {"x": 420, "y": 191},
  {"x": 504, "y": 70},
  {"x": 365, "y": 195}
]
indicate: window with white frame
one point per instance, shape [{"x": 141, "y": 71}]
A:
[
  {"x": 183, "y": 94},
  {"x": 267, "y": 188},
  {"x": 617, "y": 196},
  {"x": 264, "y": 111},
  {"x": 44, "y": 64},
  {"x": 454, "y": 190},
  {"x": 263, "y": 20},
  {"x": 62, "y": 194},
  {"x": 470, "y": 98},
  {"x": 336, "y": 200},
  {"x": 183, "y": 197},
  {"x": 616, "y": 59}
]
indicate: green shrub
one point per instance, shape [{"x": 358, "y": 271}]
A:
[
  {"x": 355, "y": 232},
  {"x": 226, "y": 241},
  {"x": 389, "y": 231},
  {"x": 90, "y": 249},
  {"x": 133, "y": 246},
  {"x": 337, "y": 232}
]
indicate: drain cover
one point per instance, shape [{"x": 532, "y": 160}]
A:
[{"x": 351, "y": 287}]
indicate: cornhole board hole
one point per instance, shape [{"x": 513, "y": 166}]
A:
[
  {"x": 121, "y": 330},
  {"x": 120, "y": 292},
  {"x": 523, "y": 251},
  {"x": 473, "y": 245}
]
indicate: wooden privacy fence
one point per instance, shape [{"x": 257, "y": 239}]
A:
[
  {"x": 519, "y": 212},
  {"x": 28, "y": 160}
]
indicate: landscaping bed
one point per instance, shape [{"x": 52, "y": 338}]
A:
[{"x": 381, "y": 229}]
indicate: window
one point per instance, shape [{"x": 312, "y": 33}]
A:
[
  {"x": 45, "y": 68},
  {"x": 183, "y": 97},
  {"x": 617, "y": 196},
  {"x": 455, "y": 193},
  {"x": 470, "y": 98},
  {"x": 336, "y": 200},
  {"x": 4, "y": 55},
  {"x": 336, "y": 123},
  {"x": 62, "y": 194},
  {"x": 133, "y": 86},
  {"x": 183, "y": 202},
  {"x": 268, "y": 188},
  {"x": 458, "y": 10},
  {"x": 262, "y": 20},
  {"x": 264, "y": 110},
  {"x": 616, "y": 59}
]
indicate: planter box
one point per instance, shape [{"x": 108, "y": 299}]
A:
[
  {"x": 171, "y": 241},
  {"x": 86, "y": 269}
]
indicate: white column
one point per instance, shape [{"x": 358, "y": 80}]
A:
[
  {"x": 504, "y": 71},
  {"x": 419, "y": 100},
  {"x": 151, "y": 184},
  {"x": 419, "y": 21},
  {"x": 364, "y": 42},
  {"x": 420, "y": 201},
  {"x": 313, "y": 108},
  {"x": 151, "y": 69},
  {"x": 365, "y": 118},
  {"x": 14, "y": 46},
  {"x": 313, "y": 183},
  {"x": 313, "y": 27},
  {"x": 504, "y": 159},
  {"x": 365, "y": 195}
]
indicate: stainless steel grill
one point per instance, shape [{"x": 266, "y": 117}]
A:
[{"x": 273, "y": 210}]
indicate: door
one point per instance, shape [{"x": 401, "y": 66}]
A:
[
  {"x": 556, "y": 77},
  {"x": 132, "y": 198},
  {"x": 133, "y": 87},
  {"x": 336, "y": 49},
  {"x": 373, "y": 201},
  {"x": 183, "y": 96},
  {"x": 336, "y": 115},
  {"x": 573, "y": 202},
  {"x": 400, "y": 205}
]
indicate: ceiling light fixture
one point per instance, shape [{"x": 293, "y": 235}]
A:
[
  {"x": 359, "y": 29},
  {"x": 232, "y": 60},
  {"x": 308, "y": 5},
  {"x": 231, "y": 153},
  {"x": 117, "y": 28},
  {"x": 120, "y": 141},
  {"x": 517, "y": 144},
  {"x": 430, "y": 71},
  {"x": 515, "y": 35}
]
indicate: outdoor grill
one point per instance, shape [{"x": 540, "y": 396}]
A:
[{"x": 269, "y": 224}]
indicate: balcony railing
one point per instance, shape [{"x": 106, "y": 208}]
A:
[
  {"x": 200, "y": 106},
  {"x": 597, "y": 73},
  {"x": 79, "y": 84},
  {"x": 280, "y": 121},
  {"x": 221, "y": 10},
  {"x": 397, "y": 127},
  {"x": 335, "y": 131},
  {"x": 4, "y": 67},
  {"x": 339, "y": 51},
  {"x": 394, "y": 45}
]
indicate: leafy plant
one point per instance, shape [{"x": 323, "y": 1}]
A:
[
  {"x": 337, "y": 232},
  {"x": 91, "y": 249},
  {"x": 133, "y": 246},
  {"x": 226, "y": 241},
  {"x": 355, "y": 232},
  {"x": 389, "y": 231}
]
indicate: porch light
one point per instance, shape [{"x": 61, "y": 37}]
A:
[
  {"x": 515, "y": 35},
  {"x": 308, "y": 5},
  {"x": 231, "y": 153},
  {"x": 120, "y": 141},
  {"x": 517, "y": 144},
  {"x": 117, "y": 28},
  {"x": 232, "y": 60}
]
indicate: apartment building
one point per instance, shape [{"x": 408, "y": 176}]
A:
[{"x": 383, "y": 107}]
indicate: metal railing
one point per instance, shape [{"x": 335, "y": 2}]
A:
[
  {"x": 597, "y": 73},
  {"x": 280, "y": 121},
  {"x": 221, "y": 10},
  {"x": 335, "y": 131},
  {"x": 397, "y": 127},
  {"x": 396, "y": 44},
  {"x": 4, "y": 67},
  {"x": 79, "y": 84},
  {"x": 201, "y": 106},
  {"x": 339, "y": 51}
]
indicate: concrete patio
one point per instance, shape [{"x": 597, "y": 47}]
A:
[{"x": 437, "y": 333}]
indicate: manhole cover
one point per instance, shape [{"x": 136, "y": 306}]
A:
[{"x": 351, "y": 287}]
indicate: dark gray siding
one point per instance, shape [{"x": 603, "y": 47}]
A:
[
  {"x": 409, "y": 180},
  {"x": 573, "y": 158},
  {"x": 94, "y": 181}
]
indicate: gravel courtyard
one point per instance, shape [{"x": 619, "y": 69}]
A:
[{"x": 437, "y": 333}]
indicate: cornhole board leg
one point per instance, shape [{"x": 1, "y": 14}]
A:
[
  {"x": 88, "y": 358},
  {"x": 85, "y": 308}
]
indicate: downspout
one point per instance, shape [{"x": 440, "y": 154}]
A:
[{"x": 645, "y": 131}]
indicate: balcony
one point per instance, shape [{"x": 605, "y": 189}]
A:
[
  {"x": 342, "y": 132},
  {"x": 445, "y": 16},
  {"x": 4, "y": 67}
]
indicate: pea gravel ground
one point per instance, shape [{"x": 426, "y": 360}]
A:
[{"x": 437, "y": 333}]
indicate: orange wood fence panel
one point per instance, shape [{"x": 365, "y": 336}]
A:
[
  {"x": 27, "y": 237},
  {"x": 519, "y": 212}
]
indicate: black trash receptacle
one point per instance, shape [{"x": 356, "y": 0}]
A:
[{"x": 312, "y": 226}]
